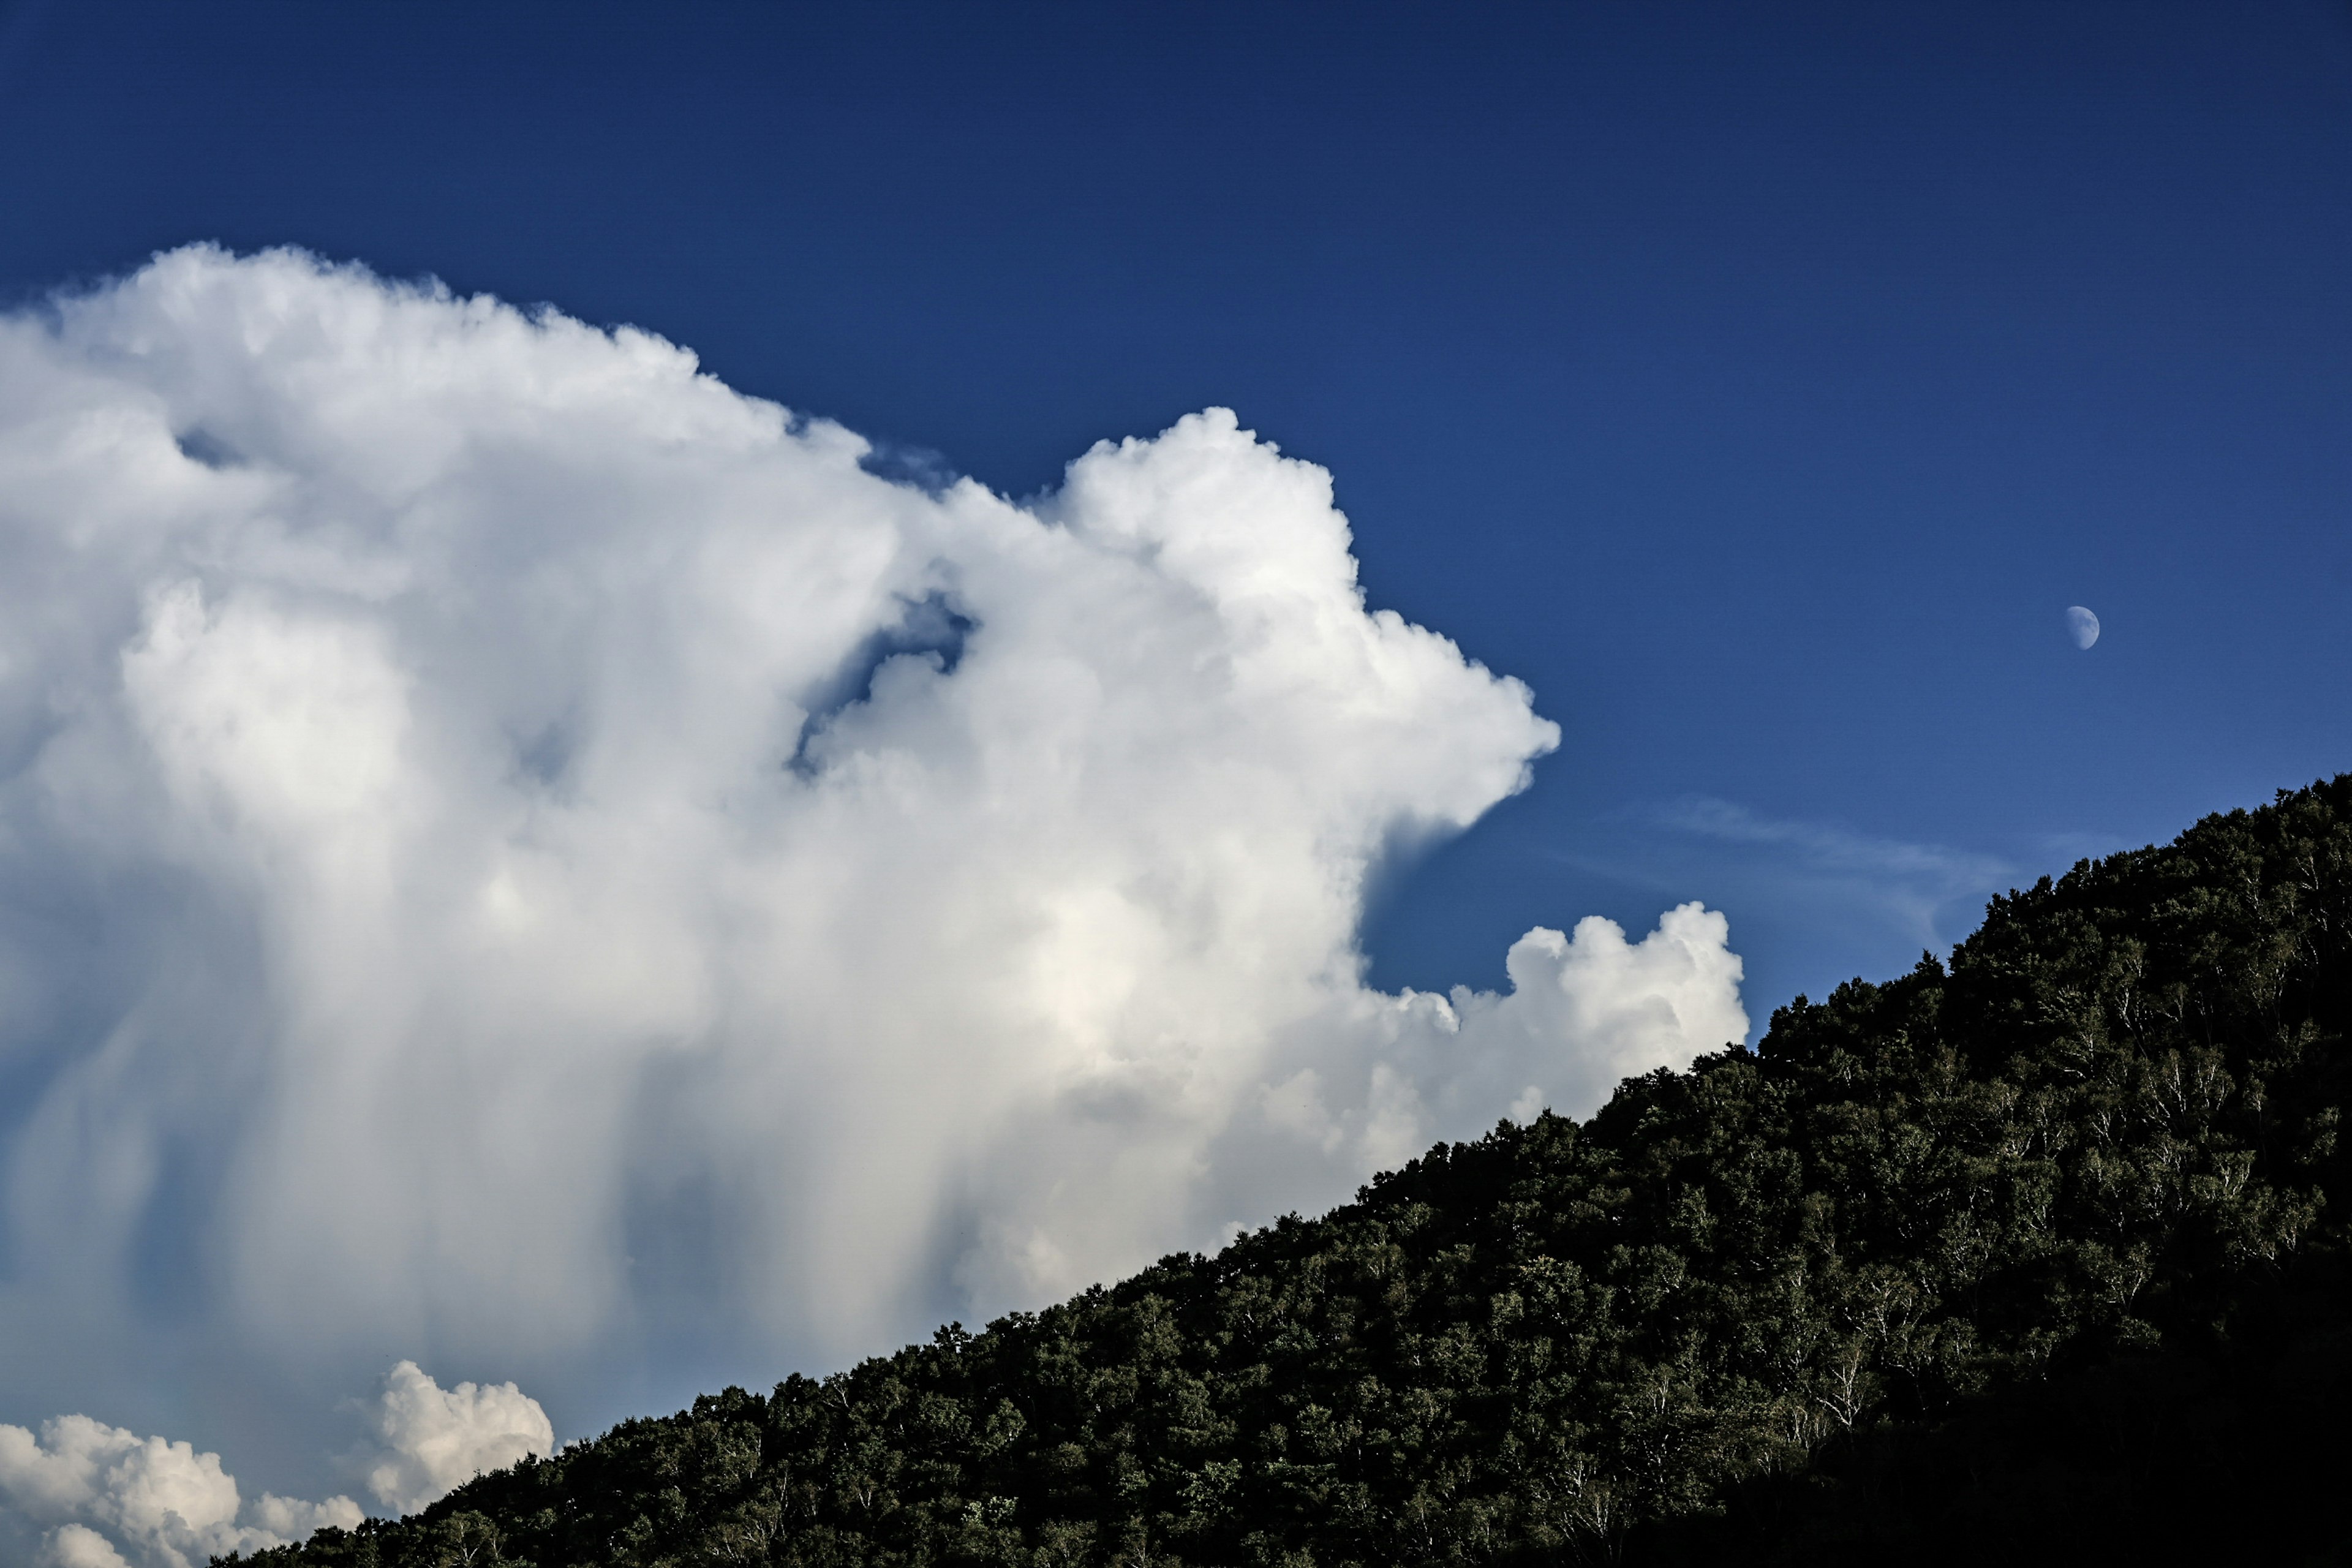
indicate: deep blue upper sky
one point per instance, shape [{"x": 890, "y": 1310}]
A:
[{"x": 1759, "y": 384}]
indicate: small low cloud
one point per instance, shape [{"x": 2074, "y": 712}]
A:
[
  {"x": 80, "y": 1546},
  {"x": 103, "y": 1497},
  {"x": 87, "y": 1495},
  {"x": 434, "y": 1440}
]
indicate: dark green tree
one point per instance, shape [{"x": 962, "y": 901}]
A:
[{"x": 2042, "y": 1253}]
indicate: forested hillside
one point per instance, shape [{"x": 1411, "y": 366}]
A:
[{"x": 2042, "y": 1254}]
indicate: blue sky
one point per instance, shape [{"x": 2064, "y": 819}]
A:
[{"x": 1760, "y": 384}]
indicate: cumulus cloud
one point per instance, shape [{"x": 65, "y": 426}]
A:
[
  {"x": 508, "y": 845},
  {"x": 434, "y": 1440},
  {"x": 80, "y": 1546},
  {"x": 107, "y": 1498},
  {"x": 102, "y": 1497}
]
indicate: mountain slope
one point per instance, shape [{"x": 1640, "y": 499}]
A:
[{"x": 2042, "y": 1253}]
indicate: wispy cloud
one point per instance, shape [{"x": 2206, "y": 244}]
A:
[
  {"x": 1834, "y": 849},
  {"x": 1917, "y": 884}
]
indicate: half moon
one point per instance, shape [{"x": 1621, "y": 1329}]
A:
[{"x": 2082, "y": 625}]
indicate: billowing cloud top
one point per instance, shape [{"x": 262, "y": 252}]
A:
[
  {"x": 508, "y": 845},
  {"x": 433, "y": 1439}
]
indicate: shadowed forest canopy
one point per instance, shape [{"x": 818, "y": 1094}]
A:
[{"x": 2042, "y": 1254}]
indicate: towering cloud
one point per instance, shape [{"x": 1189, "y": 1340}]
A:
[{"x": 510, "y": 848}]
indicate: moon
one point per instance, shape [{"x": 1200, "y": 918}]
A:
[{"x": 2082, "y": 625}]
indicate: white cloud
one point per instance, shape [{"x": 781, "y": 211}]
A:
[
  {"x": 102, "y": 1497},
  {"x": 510, "y": 847},
  {"x": 434, "y": 1440},
  {"x": 80, "y": 1546},
  {"x": 1830, "y": 847},
  {"x": 107, "y": 1498}
]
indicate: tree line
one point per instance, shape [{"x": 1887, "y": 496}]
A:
[{"x": 2039, "y": 1251}]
